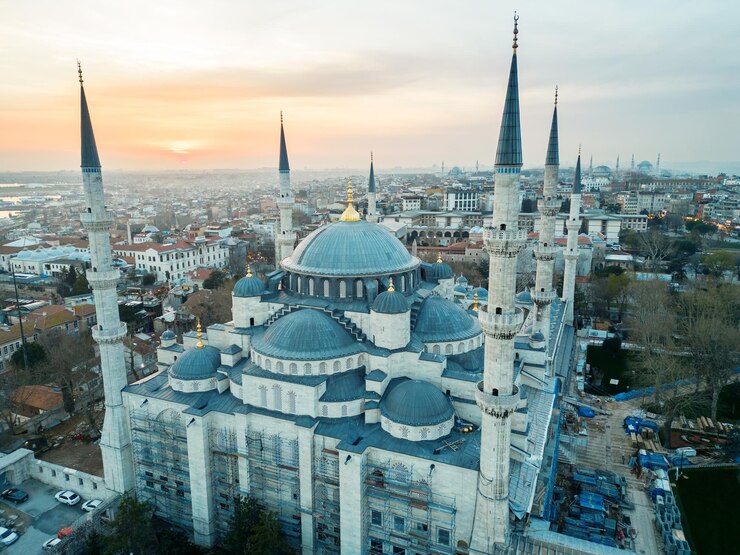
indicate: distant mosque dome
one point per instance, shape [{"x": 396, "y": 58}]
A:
[
  {"x": 306, "y": 334},
  {"x": 416, "y": 403},
  {"x": 353, "y": 248},
  {"x": 440, "y": 320},
  {"x": 390, "y": 302},
  {"x": 645, "y": 166},
  {"x": 602, "y": 171},
  {"x": 462, "y": 280},
  {"x": 249, "y": 286},
  {"x": 168, "y": 335},
  {"x": 196, "y": 364}
]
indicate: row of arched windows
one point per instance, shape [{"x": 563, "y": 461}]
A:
[
  {"x": 307, "y": 368},
  {"x": 452, "y": 348},
  {"x": 346, "y": 288}
]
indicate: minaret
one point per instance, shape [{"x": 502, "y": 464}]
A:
[
  {"x": 616, "y": 169},
  {"x": 549, "y": 206},
  {"x": 286, "y": 238},
  {"x": 115, "y": 442},
  {"x": 372, "y": 209},
  {"x": 632, "y": 164},
  {"x": 571, "y": 250},
  {"x": 657, "y": 166},
  {"x": 591, "y": 167},
  {"x": 496, "y": 395}
]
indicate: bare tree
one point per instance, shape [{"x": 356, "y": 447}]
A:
[{"x": 655, "y": 246}]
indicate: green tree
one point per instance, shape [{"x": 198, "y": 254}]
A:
[
  {"x": 215, "y": 280},
  {"x": 70, "y": 276},
  {"x": 81, "y": 286},
  {"x": 149, "y": 279},
  {"x": 132, "y": 529},
  {"x": 254, "y": 531},
  {"x": 35, "y": 355},
  {"x": 717, "y": 263},
  {"x": 268, "y": 537}
]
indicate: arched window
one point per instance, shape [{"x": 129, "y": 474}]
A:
[
  {"x": 325, "y": 411},
  {"x": 403, "y": 282},
  {"x": 448, "y": 349},
  {"x": 291, "y": 402},
  {"x": 277, "y": 397},
  {"x": 470, "y": 345},
  {"x": 342, "y": 289},
  {"x": 300, "y": 284},
  {"x": 348, "y": 363},
  {"x": 404, "y": 432},
  {"x": 311, "y": 286},
  {"x": 326, "y": 288},
  {"x": 322, "y": 368},
  {"x": 307, "y": 368},
  {"x": 337, "y": 366},
  {"x": 279, "y": 367},
  {"x": 344, "y": 410},
  {"x": 268, "y": 364},
  {"x": 251, "y": 322},
  {"x": 293, "y": 368},
  {"x": 358, "y": 289},
  {"x": 263, "y": 396},
  {"x": 460, "y": 347},
  {"x": 360, "y": 360},
  {"x": 436, "y": 349},
  {"x": 424, "y": 433}
]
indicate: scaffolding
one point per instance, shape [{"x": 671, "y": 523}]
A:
[
  {"x": 404, "y": 512},
  {"x": 274, "y": 478},
  {"x": 326, "y": 502},
  {"x": 225, "y": 477},
  {"x": 162, "y": 474}
]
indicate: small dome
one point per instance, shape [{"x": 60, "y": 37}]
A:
[
  {"x": 462, "y": 280},
  {"x": 524, "y": 296},
  {"x": 416, "y": 403},
  {"x": 306, "y": 334},
  {"x": 249, "y": 286},
  {"x": 168, "y": 335},
  {"x": 440, "y": 319},
  {"x": 439, "y": 270},
  {"x": 461, "y": 289},
  {"x": 197, "y": 364},
  {"x": 537, "y": 336},
  {"x": 482, "y": 292},
  {"x": 390, "y": 302}
]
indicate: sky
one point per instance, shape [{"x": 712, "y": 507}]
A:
[{"x": 189, "y": 84}]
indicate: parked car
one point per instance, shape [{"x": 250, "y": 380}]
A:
[
  {"x": 7, "y": 536},
  {"x": 91, "y": 505},
  {"x": 68, "y": 497},
  {"x": 51, "y": 543},
  {"x": 64, "y": 532},
  {"x": 15, "y": 495}
]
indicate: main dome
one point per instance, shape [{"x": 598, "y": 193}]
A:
[
  {"x": 306, "y": 334},
  {"x": 350, "y": 249}
]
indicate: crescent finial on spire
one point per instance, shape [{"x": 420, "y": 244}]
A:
[
  {"x": 249, "y": 269},
  {"x": 281, "y": 117},
  {"x": 556, "y": 95},
  {"x": 516, "y": 31},
  {"x": 579, "y": 149},
  {"x": 391, "y": 288},
  {"x": 350, "y": 214},
  {"x": 79, "y": 70},
  {"x": 200, "y": 343}
]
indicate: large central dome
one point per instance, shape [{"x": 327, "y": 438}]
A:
[{"x": 350, "y": 249}]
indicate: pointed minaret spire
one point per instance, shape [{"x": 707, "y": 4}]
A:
[
  {"x": 577, "y": 174},
  {"x": 509, "y": 151},
  {"x": 573, "y": 225},
  {"x": 372, "y": 202},
  {"x": 283, "y": 166},
  {"x": 286, "y": 237},
  {"x": 371, "y": 179},
  {"x": 553, "y": 156},
  {"x": 89, "y": 150}
]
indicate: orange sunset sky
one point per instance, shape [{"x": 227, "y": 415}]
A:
[{"x": 199, "y": 85}]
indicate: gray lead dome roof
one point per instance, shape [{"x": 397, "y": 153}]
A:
[
  {"x": 390, "y": 302},
  {"x": 249, "y": 287},
  {"x": 416, "y": 403},
  {"x": 442, "y": 320},
  {"x": 197, "y": 364},
  {"x": 306, "y": 334},
  {"x": 350, "y": 249}
]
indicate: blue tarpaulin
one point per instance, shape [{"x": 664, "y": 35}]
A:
[{"x": 586, "y": 412}]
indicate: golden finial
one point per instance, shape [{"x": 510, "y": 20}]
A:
[
  {"x": 249, "y": 270},
  {"x": 475, "y": 301},
  {"x": 516, "y": 31},
  {"x": 391, "y": 289},
  {"x": 200, "y": 343},
  {"x": 439, "y": 258},
  {"x": 371, "y": 156},
  {"x": 281, "y": 117},
  {"x": 556, "y": 95},
  {"x": 350, "y": 214},
  {"x": 79, "y": 70}
]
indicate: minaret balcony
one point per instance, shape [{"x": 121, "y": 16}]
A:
[
  {"x": 109, "y": 335},
  {"x": 544, "y": 253},
  {"x": 285, "y": 201},
  {"x": 505, "y": 243},
  {"x": 542, "y": 298},
  {"x": 97, "y": 222},
  {"x": 500, "y": 326},
  {"x": 495, "y": 403},
  {"x": 549, "y": 207},
  {"x": 104, "y": 279},
  {"x": 571, "y": 256}
]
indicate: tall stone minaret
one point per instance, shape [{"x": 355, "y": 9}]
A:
[
  {"x": 286, "y": 237},
  {"x": 496, "y": 395},
  {"x": 549, "y": 205},
  {"x": 571, "y": 250},
  {"x": 109, "y": 332},
  {"x": 372, "y": 209}
]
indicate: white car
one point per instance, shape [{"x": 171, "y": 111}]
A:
[
  {"x": 51, "y": 543},
  {"x": 68, "y": 497},
  {"x": 7, "y": 536},
  {"x": 91, "y": 505}
]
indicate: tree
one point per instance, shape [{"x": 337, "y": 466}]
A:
[
  {"x": 35, "y": 354},
  {"x": 655, "y": 247},
  {"x": 149, "y": 279},
  {"x": 81, "y": 286},
  {"x": 254, "y": 531},
  {"x": 215, "y": 280},
  {"x": 717, "y": 263},
  {"x": 132, "y": 529},
  {"x": 211, "y": 306},
  {"x": 70, "y": 276}
]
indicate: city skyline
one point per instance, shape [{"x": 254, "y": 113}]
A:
[{"x": 175, "y": 87}]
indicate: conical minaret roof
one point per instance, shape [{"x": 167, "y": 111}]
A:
[
  {"x": 89, "y": 149},
  {"x": 509, "y": 151},
  {"x": 371, "y": 179},
  {"x": 283, "y": 166},
  {"x": 577, "y": 177},
  {"x": 553, "y": 157}
]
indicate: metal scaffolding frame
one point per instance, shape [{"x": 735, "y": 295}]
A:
[
  {"x": 396, "y": 493},
  {"x": 162, "y": 474},
  {"x": 274, "y": 478},
  {"x": 225, "y": 477},
  {"x": 326, "y": 499}
]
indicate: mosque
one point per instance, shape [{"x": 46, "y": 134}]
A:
[{"x": 350, "y": 393}]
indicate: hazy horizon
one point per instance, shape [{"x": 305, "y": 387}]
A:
[{"x": 177, "y": 86}]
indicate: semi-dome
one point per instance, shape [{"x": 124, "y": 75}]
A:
[
  {"x": 167, "y": 335},
  {"x": 306, "y": 334},
  {"x": 416, "y": 403},
  {"x": 197, "y": 364},
  {"x": 440, "y": 319},
  {"x": 249, "y": 286},
  {"x": 390, "y": 302},
  {"x": 358, "y": 248}
]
